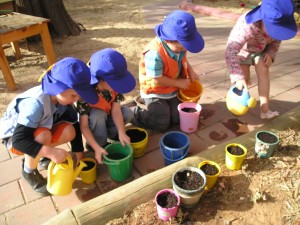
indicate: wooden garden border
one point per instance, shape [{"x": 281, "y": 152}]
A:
[{"x": 115, "y": 203}]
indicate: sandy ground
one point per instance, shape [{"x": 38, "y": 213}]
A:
[
  {"x": 237, "y": 6},
  {"x": 109, "y": 24}
]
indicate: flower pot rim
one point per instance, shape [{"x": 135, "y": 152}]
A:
[
  {"x": 239, "y": 145},
  {"x": 140, "y": 129},
  {"x": 210, "y": 162},
  {"x": 268, "y": 132},
  {"x": 177, "y": 132},
  {"x": 193, "y": 169}
]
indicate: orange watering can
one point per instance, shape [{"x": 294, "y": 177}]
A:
[{"x": 61, "y": 176}]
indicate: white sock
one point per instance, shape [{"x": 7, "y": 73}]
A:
[{"x": 27, "y": 170}]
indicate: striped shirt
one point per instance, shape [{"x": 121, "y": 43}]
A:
[{"x": 154, "y": 67}]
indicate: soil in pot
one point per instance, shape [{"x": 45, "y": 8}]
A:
[
  {"x": 209, "y": 169},
  {"x": 188, "y": 180},
  {"x": 235, "y": 150},
  {"x": 136, "y": 135},
  {"x": 267, "y": 137},
  {"x": 189, "y": 110},
  {"x": 89, "y": 166},
  {"x": 167, "y": 200},
  {"x": 116, "y": 156}
]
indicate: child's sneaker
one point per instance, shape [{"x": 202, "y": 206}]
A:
[
  {"x": 44, "y": 163},
  {"x": 269, "y": 114},
  {"x": 36, "y": 181}
]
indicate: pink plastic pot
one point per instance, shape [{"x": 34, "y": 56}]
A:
[
  {"x": 167, "y": 213},
  {"x": 189, "y": 113}
]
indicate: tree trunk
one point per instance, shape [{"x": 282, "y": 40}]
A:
[{"x": 61, "y": 24}]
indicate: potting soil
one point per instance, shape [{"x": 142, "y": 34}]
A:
[
  {"x": 136, "y": 135},
  {"x": 188, "y": 180},
  {"x": 167, "y": 200},
  {"x": 89, "y": 166},
  {"x": 267, "y": 137},
  {"x": 116, "y": 156},
  {"x": 189, "y": 110},
  {"x": 209, "y": 169},
  {"x": 235, "y": 150}
]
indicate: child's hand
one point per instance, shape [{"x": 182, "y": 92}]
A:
[
  {"x": 98, "y": 154},
  {"x": 184, "y": 83},
  {"x": 240, "y": 84},
  {"x": 59, "y": 155},
  {"x": 268, "y": 60},
  {"x": 124, "y": 139},
  {"x": 193, "y": 76}
]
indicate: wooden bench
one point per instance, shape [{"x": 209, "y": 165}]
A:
[{"x": 16, "y": 26}]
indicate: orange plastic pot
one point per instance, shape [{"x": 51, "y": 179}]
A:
[{"x": 192, "y": 94}]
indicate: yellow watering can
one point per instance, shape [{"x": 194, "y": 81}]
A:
[{"x": 61, "y": 176}]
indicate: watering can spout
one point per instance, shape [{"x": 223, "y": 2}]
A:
[{"x": 78, "y": 169}]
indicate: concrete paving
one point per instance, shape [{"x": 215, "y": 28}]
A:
[{"x": 20, "y": 205}]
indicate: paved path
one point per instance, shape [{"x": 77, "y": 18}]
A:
[{"x": 20, "y": 205}]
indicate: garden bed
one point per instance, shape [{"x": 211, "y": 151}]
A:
[{"x": 264, "y": 191}]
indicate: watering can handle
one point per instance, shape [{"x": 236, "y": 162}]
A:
[
  {"x": 70, "y": 161},
  {"x": 50, "y": 173},
  {"x": 54, "y": 167},
  {"x": 51, "y": 166}
]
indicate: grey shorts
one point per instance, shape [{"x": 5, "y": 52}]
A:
[{"x": 252, "y": 58}]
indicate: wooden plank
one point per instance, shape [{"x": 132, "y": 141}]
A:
[
  {"x": 4, "y": 1},
  {"x": 16, "y": 26},
  {"x": 16, "y": 20},
  {"x": 66, "y": 217},
  {"x": 115, "y": 203},
  {"x": 21, "y": 33}
]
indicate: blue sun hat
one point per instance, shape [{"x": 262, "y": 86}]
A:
[
  {"x": 110, "y": 66},
  {"x": 69, "y": 73},
  {"x": 277, "y": 16},
  {"x": 180, "y": 26}
]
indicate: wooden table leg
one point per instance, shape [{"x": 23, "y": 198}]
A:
[
  {"x": 6, "y": 71},
  {"x": 47, "y": 44},
  {"x": 16, "y": 48}
]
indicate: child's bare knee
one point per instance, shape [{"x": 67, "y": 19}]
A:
[
  {"x": 44, "y": 137},
  {"x": 68, "y": 133}
]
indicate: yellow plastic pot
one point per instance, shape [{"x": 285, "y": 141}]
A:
[
  {"x": 210, "y": 179},
  {"x": 139, "y": 147},
  {"x": 192, "y": 94},
  {"x": 234, "y": 162},
  {"x": 89, "y": 173}
]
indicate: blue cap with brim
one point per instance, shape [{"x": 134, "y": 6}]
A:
[
  {"x": 180, "y": 26},
  {"x": 70, "y": 73},
  {"x": 277, "y": 16},
  {"x": 110, "y": 66}
]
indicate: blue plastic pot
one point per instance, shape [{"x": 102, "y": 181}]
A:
[
  {"x": 174, "y": 145},
  {"x": 169, "y": 161}
]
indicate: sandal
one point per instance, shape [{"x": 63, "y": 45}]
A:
[{"x": 269, "y": 114}]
